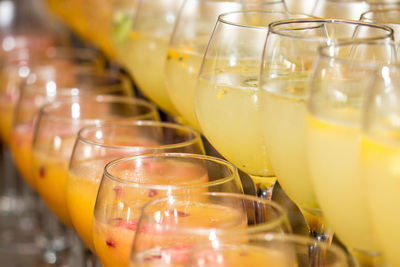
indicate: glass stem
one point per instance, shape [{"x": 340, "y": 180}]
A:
[{"x": 264, "y": 185}]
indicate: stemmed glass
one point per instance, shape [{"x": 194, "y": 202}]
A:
[
  {"x": 148, "y": 42},
  {"x": 44, "y": 86},
  {"x": 55, "y": 133},
  {"x": 129, "y": 183},
  {"x": 271, "y": 249},
  {"x": 226, "y": 100},
  {"x": 169, "y": 228},
  {"x": 289, "y": 55},
  {"x": 340, "y": 82},
  {"x": 122, "y": 21},
  {"x": 98, "y": 145},
  {"x": 340, "y": 9},
  {"x": 192, "y": 31},
  {"x": 389, "y": 17},
  {"x": 380, "y": 157},
  {"x": 17, "y": 67}
]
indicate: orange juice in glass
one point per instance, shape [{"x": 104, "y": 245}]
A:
[
  {"x": 56, "y": 129},
  {"x": 170, "y": 228},
  {"x": 129, "y": 183},
  {"x": 98, "y": 145}
]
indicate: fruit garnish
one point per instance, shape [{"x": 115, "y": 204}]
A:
[
  {"x": 110, "y": 243},
  {"x": 130, "y": 225},
  {"x": 152, "y": 193},
  {"x": 42, "y": 172},
  {"x": 118, "y": 190},
  {"x": 178, "y": 213}
]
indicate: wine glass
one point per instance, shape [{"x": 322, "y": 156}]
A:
[
  {"x": 148, "y": 45},
  {"x": 271, "y": 249},
  {"x": 55, "y": 133},
  {"x": 44, "y": 87},
  {"x": 340, "y": 82},
  {"x": 226, "y": 99},
  {"x": 98, "y": 145},
  {"x": 17, "y": 66},
  {"x": 129, "y": 183},
  {"x": 389, "y": 17},
  {"x": 379, "y": 159},
  {"x": 122, "y": 22},
  {"x": 169, "y": 228},
  {"x": 340, "y": 9},
  {"x": 289, "y": 55},
  {"x": 192, "y": 31}
]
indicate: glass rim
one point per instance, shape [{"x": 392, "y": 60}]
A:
[
  {"x": 231, "y": 167},
  {"x": 138, "y": 124},
  {"x": 273, "y": 30},
  {"x": 380, "y": 10},
  {"x": 104, "y": 81},
  {"x": 227, "y": 22},
  {"x": 46, "y": 110},
  {"x": 295, "y": 239},
  {"x": 53, "y": 52},
  {"x": 282, "y": 219},
  {"x": 323, "y": 51}
]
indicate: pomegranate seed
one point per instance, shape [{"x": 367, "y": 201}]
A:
[
  {"x": 153, "y": 193},
  {"x": 178, "y": 213},
  {"x": 118, "y": 191},
  {"x": 110, "y": 243},
  {"x": 42, "y": 172},
  {"x": 130, "y": 225}
]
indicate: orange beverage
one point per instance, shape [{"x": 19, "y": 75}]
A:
[
  {"x": 50, "y": 169},
  {"x": 113, "y": 239},
  {"x": 21, "y": 146}
]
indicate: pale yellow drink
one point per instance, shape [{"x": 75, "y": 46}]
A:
[
  {"x": 334, "y": 159},
  {"x": 282, "y": 108},
  {"x": 149, "y": 54},
  {"x": 380, "y": 164},
  {"x": 182, "y": 68},
  {"x": 227, "y": 109},
  {"x": 113, "y": 240}
]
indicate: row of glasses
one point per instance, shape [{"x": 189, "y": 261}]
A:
[{"x": 339, "y": 156}]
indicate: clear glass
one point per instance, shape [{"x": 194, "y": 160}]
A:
[
  {"x": 340, "y": 9},
  {"x": 47, "y": 84},
  {"x": 17, "y": 66},
  {"x": 96, "y": 146},
  {"x": 226, "y": 99},
  {"x": 269, "y": 249},
  {"x": 55, "y": 133},
  {"x": 379, "y": 159},
  {"x": 340, "y": 83},
  {"x": 123, "y": 16},
  {"x": 289, "y": 55},
  {"x": 389, "y": 17},
  {"x": 170, "y": 228},
  {"x": 148, "y": 45},
  {"x": 193, "y": 28},
  {"x": 129, "y": 183}
]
